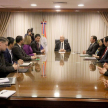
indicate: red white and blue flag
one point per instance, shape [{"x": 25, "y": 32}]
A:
[{"x": 44, "y": 37}]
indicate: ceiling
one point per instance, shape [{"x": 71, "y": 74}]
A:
[{"x": 45, "y": 4}]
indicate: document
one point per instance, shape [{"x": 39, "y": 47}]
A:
[
  {"x": 25, "y": 64},
  {"x": 6, "y": 93},
  {"x": 3, "y": 80},
  {"x": 89, "y": 58},
  {"x": 85, "y": 55}
]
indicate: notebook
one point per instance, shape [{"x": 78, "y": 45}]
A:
[
  {"x": 7, "y": 82},
  {"x": 6, "y": 93}
]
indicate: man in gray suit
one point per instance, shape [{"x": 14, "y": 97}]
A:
[
  {"x": 93, "y": 46},
  {"x": 62, "y": 46}
]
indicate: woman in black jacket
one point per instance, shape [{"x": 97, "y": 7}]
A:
[{"x": 100, "y": 51}]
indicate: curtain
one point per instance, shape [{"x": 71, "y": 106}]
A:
[
  {"x": 4, "y": 21},
  {"x": 104, "y": 16},
  {"x": 76, "y": 27}
]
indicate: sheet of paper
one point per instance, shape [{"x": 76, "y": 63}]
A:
[
  {"x": 25, "y": 64},
  {"x": 2, "y": 80},
  {"x": 85, "y": 55},
  {"x": 6, "y": 93},
  {"x": 89, "y": 58}
]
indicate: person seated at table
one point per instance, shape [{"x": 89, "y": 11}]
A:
[
  {"x": 18, "y": 51},
  {"x": 8, "y": 53},
  {"x": 27, "y": 48},
  {"x": 93, "y": 46},
  {"x": 62, "y": 46},
  {"x": 99, "y": 52},
  {"x": 5, "y": 67},
  {"x": 104, "y": 57},
  {"x": 36, "y": 46}
]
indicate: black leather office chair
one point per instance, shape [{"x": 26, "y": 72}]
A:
[{"x": 58, "y": 40}]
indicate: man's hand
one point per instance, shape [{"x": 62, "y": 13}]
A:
[
  {"x": 62, "y": 50},
  {"x": 43, "y": 51},
  {"x": 33, "y": 57},
  {"x": 15, "y": 66},
  {"x": 34, "y": 54},
  {"x": 95, "y": 56},
  {"x": 20, "y": 61},
  {"x": 84, "y": 52},
  {"x": 102, "y": 70}
]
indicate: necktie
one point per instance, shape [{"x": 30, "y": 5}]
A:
[
  {"x": 11, "y": 56},
  {"x": 104, "y": 53},
  {"x": 62, "y": 45},
  {"x": 38, "y": 45}
]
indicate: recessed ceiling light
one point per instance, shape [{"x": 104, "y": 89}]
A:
[
  {"x": 57, "y": 6},
  {"x": 81, "y": 5},
  {"x": 33, "y": 5}
]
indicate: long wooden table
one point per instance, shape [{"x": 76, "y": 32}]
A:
[{"x": 59, "y": 80}]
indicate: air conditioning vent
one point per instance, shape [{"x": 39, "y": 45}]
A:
[{"x": 60, "y": 2}]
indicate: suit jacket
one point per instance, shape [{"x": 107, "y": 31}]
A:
[
  {"x": 19, "y": 53},
  {"x": 66, "y": 46},
  {"x": 105, "y": 58},
  {"x": 101, "y": 51},
  {"x": 35, "y": 48},
  {"x": 28, "y": 50},
  {"x": 92, "y": 49},
  {"x": 5, "y": 67},
  {"x": 7, "y": 56}
]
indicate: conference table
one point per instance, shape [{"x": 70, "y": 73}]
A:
[{"x": 58, "y": 80}]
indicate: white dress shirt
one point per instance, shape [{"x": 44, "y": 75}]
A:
[{"x": 61, "y": 45}]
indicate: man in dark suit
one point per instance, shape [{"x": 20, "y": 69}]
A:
[
  {"x": 62, "y": 46},
  {"x": 93, "y": 46},
  {"x": 36, "y": 46},
  {"x": 8, "y": 53},
  {"x": 5, "y": 67},
  {"x": 18, "y": 51}
]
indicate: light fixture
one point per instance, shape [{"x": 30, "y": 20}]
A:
[
  {"x": 33, "y": 5},
  {"x": 81, "y": 5},
  {"x": 57, "y": 6}
]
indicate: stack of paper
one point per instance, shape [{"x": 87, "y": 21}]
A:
[
  {"x": 85, "y": 55},
  {"x": 25, "y": 64},
  {"x": 3, "y": 80},
  {"x": 6, "y": 93},
  {"x": 89, "y": 58}
]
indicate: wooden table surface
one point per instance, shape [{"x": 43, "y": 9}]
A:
[{"x": 60, "y": 77}]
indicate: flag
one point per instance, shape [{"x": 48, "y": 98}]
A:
[{"x": 44, "y": 37}]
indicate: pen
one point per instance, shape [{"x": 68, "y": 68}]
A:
[{"x": 3, "y": 92}]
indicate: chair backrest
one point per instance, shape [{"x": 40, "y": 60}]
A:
[{"x": 58, "y": 40}]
